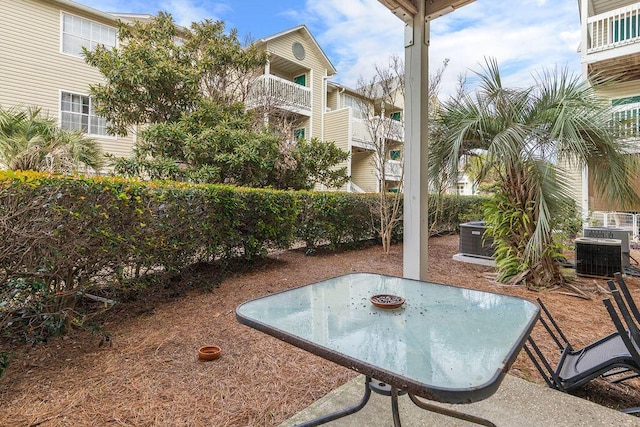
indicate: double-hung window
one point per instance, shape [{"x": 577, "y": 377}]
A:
[
  {"x": 79, "y": 32},
  {"x": 77, "y": 113}
]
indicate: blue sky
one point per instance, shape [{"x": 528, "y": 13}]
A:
[{"x": 525, "y": 36}]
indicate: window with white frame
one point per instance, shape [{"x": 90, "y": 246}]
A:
[
  {"x": 357, "y": 105},
  {"x": 77, "y": 113},
  {"x": 78, "y": 32}
]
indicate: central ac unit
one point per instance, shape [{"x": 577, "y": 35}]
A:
[
  {"x": 612, "y": 233},
  {"x": 598, "y": 257},
  {"x": 473, "y": 242}
]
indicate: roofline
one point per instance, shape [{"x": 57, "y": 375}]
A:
[
  {"x": 87, "y": 9},
  {"x": 305, "y": 29}
]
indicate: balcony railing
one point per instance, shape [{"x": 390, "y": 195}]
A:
[
  {"x": 627, "y": 118},
  {"x": 363, "y": 129},
  {"x": 270, "y": 90},
  {"x": 615, "y": 28},
  {"x": 393, "y": 170}
]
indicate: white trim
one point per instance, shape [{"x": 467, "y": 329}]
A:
[{"x": 312, "y": 118}]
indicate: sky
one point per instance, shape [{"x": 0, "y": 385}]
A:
[{"x": 526, "y": 37}]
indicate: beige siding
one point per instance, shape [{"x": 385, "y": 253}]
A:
[
  {"x": 33, "y": 71},
  {"x": 621, "y": 90},
  {"x": 336, "y": 129},
  {"x": 363, "y": 173},
  {"x": 332, "y": 100},
  {"x": 314, "y": 62}
]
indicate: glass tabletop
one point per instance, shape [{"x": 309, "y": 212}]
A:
[{"x": 444, "y": 343}]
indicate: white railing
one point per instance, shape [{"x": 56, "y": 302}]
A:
[
  {"x": 627, "y": 118},
  {"x": 362, "y": 129},
  {"x": 615, "y": 28},
  {"x": 393, "y": 170},
  {"x": 276, "y": 91},
  {"x": 623, "y": 220}
]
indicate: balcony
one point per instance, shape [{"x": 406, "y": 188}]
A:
[
  {"x": 274, "y": 91},
  {"x": 613, "y": 29},
  {"x": 613, "y": 44},
  {"x": 393, "y": 170},
  {"x": 363, "y": 129}
]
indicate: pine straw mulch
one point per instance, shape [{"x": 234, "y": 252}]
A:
[{"x": 148, "y": 372}]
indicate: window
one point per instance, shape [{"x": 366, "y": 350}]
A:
[
  {"x": 358, "y": 106},
  {"x": 301, "y": 80},
  {"x": 396, "y": 115},
  {"x": 298, "y": 134},
  {"x": 78, "y": 32},
  {"x": 77, "y": 113},
  {"x": 625, "y": 28}
]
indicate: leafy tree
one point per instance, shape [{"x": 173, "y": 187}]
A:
[
  {"x": 30, "y": 141},
  {"x": 216, "y": 143},
  {"x": 189, "y": 87},
  {"x": 161, "y": 70},
  {"x": 529, "y": 135}
]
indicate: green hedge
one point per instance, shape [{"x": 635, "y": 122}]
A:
[
  {"x": 65, "y": 236},
  {"x": 334, "y": 219}
]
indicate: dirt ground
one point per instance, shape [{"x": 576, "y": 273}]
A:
[{"x": 148, "y": 373}]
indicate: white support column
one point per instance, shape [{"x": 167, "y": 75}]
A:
[{"x": 416, "y": 152}]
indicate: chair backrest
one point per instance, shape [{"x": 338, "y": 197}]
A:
[
  {"x": 624, "y": 311},
  {"x": 556, "y": 333},
  {"x": 537, "y": 357},
  {"x": 627, "y": 296},
  {"x": 628, "y": 339},
  {"x": 542, "y": 365}
]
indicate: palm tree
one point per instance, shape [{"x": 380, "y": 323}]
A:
[
  {"x": 529, "y": 138},
  {"x": 29, "y": 141}
]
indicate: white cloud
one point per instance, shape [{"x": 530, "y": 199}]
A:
[{"x": 523, "y": 36}]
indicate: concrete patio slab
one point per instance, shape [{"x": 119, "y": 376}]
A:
[{"x": 516, "y": 403}]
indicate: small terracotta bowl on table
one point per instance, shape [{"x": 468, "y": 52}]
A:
[
  {"x": 387, "y": 301},
  {"x": 209, "y": 352}
]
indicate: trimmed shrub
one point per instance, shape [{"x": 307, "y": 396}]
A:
[{"x": 64, "y": 236}]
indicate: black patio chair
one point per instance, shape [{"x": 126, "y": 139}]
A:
[
  {"x": 577, "y": 367},
  {"x": 627, "y": 334},
  {"x": 619, "y": 375},
  {"x": 624, "y": 290}
]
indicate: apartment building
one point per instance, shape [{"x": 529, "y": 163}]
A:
[
  {"x": 41, "y": 65},
  {"x": 610, "y": 49},
  {"x": 298, "y": 75}
]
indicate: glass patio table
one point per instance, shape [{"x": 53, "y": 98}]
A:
[{"x": 445, "y": 343}]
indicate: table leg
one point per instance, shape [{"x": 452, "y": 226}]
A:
[
  {"x": 450, "y": 412},
  {"x": 342, "y": 413},
  {"x": 394, "y": 407}
]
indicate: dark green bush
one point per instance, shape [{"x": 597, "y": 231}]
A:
[
  {"x": 333, "y": 219},
  {"x": 64, "y": 236}
]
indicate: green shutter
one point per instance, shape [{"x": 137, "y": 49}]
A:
[
  {"x": 394, "y": 154},
  {"x": 625, "y": 101},
  {"x": 397, "y": 116},
  {"x": 298, "y": 134},
  {"x": 301, "y": 80}
]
